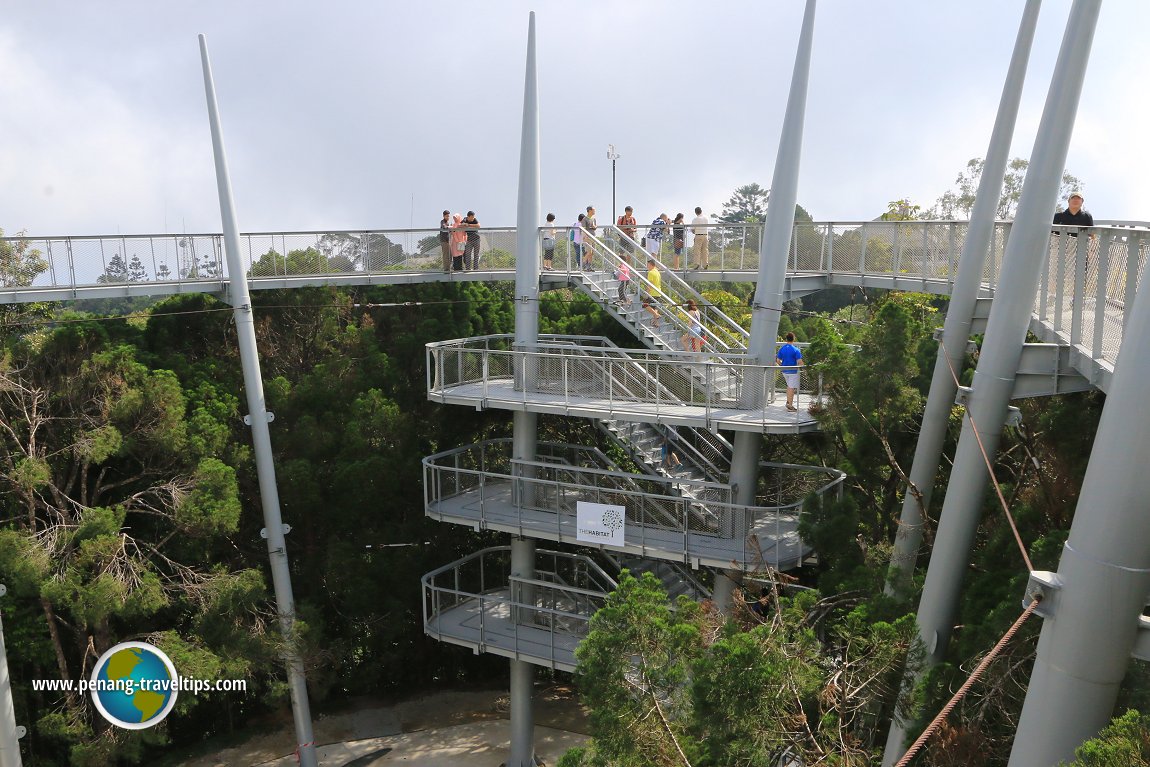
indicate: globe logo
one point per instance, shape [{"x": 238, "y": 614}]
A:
[{"x": 134, "y": 685}]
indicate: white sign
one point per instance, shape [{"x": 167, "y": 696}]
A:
[{"x": 599, "y": 523}]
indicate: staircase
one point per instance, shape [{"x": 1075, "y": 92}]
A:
[{"x": 676, "y": 579}]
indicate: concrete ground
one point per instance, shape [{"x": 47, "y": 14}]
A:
[{"x": 443, "y": 729}]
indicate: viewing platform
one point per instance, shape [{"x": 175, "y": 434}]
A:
[
  {"x": 477, "y": 603},
  {"x": 592, "y": 378},
  {"x": 666, "y": 517}
]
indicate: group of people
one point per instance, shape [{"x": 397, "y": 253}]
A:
[
  {"x": 583, "y": 232},
  {"x": 459, "y": 242}
]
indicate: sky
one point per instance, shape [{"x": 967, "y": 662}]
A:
[{"x": 378, "y": 114}]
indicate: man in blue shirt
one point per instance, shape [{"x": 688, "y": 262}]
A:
[{"x": 791, "y": 359}]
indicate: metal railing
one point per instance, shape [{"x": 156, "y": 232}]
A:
[
  {"x": 611, "y": 377},
  {"x": 917, "y": 249},
  {"x": 541, "y": 498},
  {"x": 1089, "y": 280},
  {"x": 616, "y": 250},
  {"x": 560, "y": 598}
]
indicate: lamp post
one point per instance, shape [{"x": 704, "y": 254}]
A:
[{"x": 612, "y": 155}]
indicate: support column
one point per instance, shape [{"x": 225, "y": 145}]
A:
[
  {"x": 960, "y": 313},
  {"x": 10, "y": 734},
  {"x": 723, "y": 595},
  {"x": 1005, "y": 335},
  {"x": 522, "y": 672},
  {"x": 773, "y": 250},
  {"x": 525, "y": 435},
  {"x": 261, "y": 436}
]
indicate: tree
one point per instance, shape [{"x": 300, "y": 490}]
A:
[
  {"x": 675, "y": 686},
  {"x": 1125, "y": 743},
  {"x": 958, "y": 203},
  {"x": 20, "y": 263},
  {"x": 112, "y": 497},
  {"x": 116, "y": 270},
  {"x": 748, "y": 204},
  {"x": 136, "y": 271},
  {"x": 902, "y": 210}
]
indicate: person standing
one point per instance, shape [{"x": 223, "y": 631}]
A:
[
  {"x": 458, "y": 243},
  {"x": 790, "y": 358},
  {"x": 549, "y": 244},
  {"x": 624, "y": 276},
  {"x": 1075, "y": 216},
  {"x": 445, "y": 240},
  {"x": 627, "y": 225},
  {"x": 577, "y": 240},
  {"x": 655, "y": 277},
  {"x": 699, "y": 229},
  {"x": 678, "y": 238},
  {"x": 471, "y": 251},
  {"x": 655, "y": 234},
  {"x": 590, "y": 226}
]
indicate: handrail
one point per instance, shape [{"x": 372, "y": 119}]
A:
[
  {"x": 734, "y": 335},
  {"x": 663, "y": 298},
  {"x": 433, "y": 463}
]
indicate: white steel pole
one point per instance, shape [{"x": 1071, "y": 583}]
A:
[
  {"x": 960, "y": 313},
  {"x": 10, "y": 734},
  {"x": 773, "y": 249},
  {"x": 261, "y": 437},
  {"x": 998, "y": 361},
  {"x": 525, "y": 429}
]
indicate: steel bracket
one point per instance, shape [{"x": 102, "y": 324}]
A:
[
  {"x": 1043, "y": 585},
  {"x": 285, "y": 528},
  {"x": 1013, "y": 416},
  {"x": 269, "y": 414}
]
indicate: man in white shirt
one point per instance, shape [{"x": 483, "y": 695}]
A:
[{"x": 699, "y": 229}]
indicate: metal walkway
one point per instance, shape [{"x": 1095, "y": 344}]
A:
[{"x": 901, "y": 255}]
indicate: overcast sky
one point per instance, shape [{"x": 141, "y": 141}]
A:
[{"x": 374, "y": 114}]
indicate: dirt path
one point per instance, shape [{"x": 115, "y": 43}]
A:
[{"x": 438, "y": 730}]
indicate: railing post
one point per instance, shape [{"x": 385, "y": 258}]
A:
[
  {"x": 1060, "y": 284},
  {"x": 1133, "y": 264},
  {"x": 1079, "y": 290},
  {"x": 829, "y": 237},
  {"x": 1101, "y": 290}
]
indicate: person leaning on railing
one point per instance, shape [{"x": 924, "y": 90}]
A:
[{"x": 1075, "y": 216}]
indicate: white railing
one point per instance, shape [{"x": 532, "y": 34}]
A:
[
  {"x": 509, "y": 611},
  {"x": 1089, "y": 281},
  {"x": 608, "y": 376},
  {"x": 540, "y": 497}
]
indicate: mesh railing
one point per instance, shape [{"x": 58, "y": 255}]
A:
[
  {"x": 559, "y": 597},
  {"x": 544, "y": 497},
  {"x": 1089, "y": 280},
  {"x": 720, "y": 332},
  {"x": 585, "y": 372}
]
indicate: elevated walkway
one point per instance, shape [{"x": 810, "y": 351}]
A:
[
  {"x": 590, "y": 377},
  {"x": 483, "y": 487},
  {"x": 901, "y": 255},
  {"x": 476, "y": 602}
]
